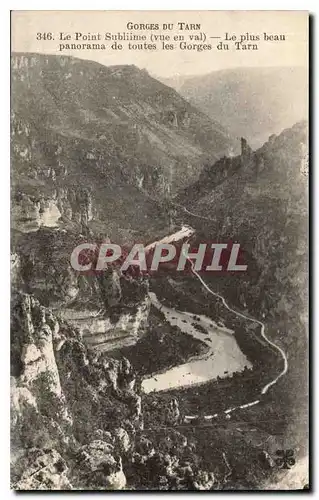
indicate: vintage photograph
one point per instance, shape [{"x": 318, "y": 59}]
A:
[{"x": 159, "y": 250}]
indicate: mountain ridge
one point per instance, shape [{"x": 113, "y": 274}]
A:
[
  {"x": 114, "y": 96},
  {"x": 240, "y": 96}
]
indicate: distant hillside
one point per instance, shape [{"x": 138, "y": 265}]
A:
[
  {"x": 119, "y": 120},
  {"x": 249, "y": 102}
]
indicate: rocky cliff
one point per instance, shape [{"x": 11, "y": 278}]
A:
[{"x": 65, "y": 405}]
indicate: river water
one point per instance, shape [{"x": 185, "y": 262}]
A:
[{"x": 223, "y": 357}]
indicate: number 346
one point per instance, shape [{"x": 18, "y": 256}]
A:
[{"x": 44, "y": 36}]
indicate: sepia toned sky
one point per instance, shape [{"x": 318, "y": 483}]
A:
[{"x": 165, "y": 63}]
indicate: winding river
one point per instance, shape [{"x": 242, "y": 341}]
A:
[
  {"x": 223, "y": 357},
  {"x": 267, "y": 386}
]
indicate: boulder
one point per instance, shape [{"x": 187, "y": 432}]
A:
[
  {"x": 42, "y": 470},
  {"x": 122, "y": 440},
  {"x": 98, "y": 469}
]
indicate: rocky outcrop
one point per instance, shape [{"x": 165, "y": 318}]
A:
[
  {"x": 246, "y": 151},
  {"x": 121, "y": 318},
  {"x": 33, "y": 342},
  {"x": 67, "y": 394},
  {"x": 98, "y": 469},
  {"x": 122, "y": 440},
  {"x": 42, "y": 469},
  {"x": 107, "y": 309},
  {"x": 36, "y": 392},
  {"x": 173, "y": 412},
  {"x": 29, "y": 214}
]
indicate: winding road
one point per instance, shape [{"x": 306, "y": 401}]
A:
[
  {"x": 244, "y": 316},
  {"x": 263, "y": 334}
]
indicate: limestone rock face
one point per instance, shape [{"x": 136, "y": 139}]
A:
[
  {"x": 116, "y": 481},
  {"x": 21, "y": 400},
  {"x": 36, "y": 331},
  {"x": 36, "y": 392},
  {"x": 72, "y": 397},
  {"x": 42, "y": 470},
  {"x": 122, "y": 440},
  {"x": 98, "y": 468},
  {"x": 29, "y": 213}
]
